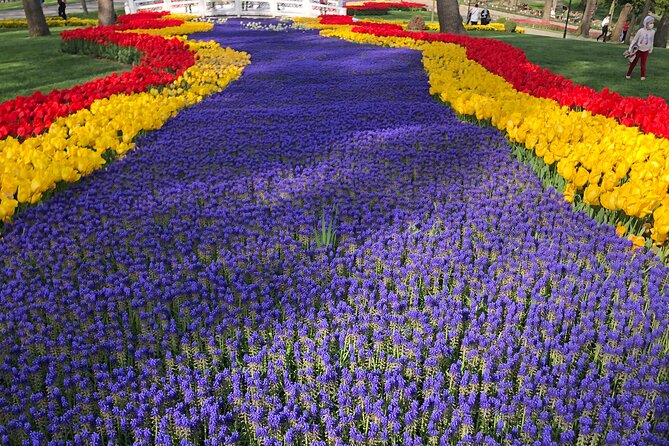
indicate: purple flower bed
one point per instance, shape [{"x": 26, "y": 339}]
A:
[{"x": 323, "y": 255}]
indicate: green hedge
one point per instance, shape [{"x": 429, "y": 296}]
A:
[{"x": 509, "y": 25}]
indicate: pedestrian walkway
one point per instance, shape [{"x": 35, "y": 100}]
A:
[
  {"x": 75, "y": 7},
  {"x": 51, "y": 10}
]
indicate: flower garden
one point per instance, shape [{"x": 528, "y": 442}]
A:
[
  {"x": 368, "y": 7},
  {"x": 278, "y": 238}
]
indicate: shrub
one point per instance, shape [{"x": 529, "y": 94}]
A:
[
  {"x": 416, "y": 23},
  {"x": 509, "y": 25}
]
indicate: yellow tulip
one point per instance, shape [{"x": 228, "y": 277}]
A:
[
  {"x": 23, "y": 193},
  {"x": 608, "y": 200},
  {"x": 7, "y": 208},
  {"x": 569, "y": 192},
  {"x": 581, "y": 177},
  {"x": 637, "y": 241},
  {"x": 621, "y": 230},
  {"x": 591, "y": 195}
]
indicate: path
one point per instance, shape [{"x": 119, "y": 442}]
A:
[
  {"x": 51, "y": 10},
  {"x": 184, "y": 292},
  {"x": 75, "y": 7}
]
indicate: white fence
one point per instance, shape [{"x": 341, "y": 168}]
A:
[{"x": 240, "y": 8}]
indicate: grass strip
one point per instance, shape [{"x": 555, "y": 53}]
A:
[{"x": 31, "y": 64}]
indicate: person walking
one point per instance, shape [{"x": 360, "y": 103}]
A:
[
  {"x": 643, "y": 41},
  {"x": 61, "y": 9},
  {"x": 605, "y": 28},
  {"x": 475, "y": 15}
]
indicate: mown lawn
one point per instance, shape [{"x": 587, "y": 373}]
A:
[
  {"x": 591, "y": 63},
  {"x": 31, "y": 64},
  {"x": 5, "y": 6}
]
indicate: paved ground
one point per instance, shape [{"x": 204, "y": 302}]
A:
[
  {"x": 75, "y": 7},
  {"x": 52, "y": 10}
]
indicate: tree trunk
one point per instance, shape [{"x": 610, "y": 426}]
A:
[
  {"x": 646, "y": 9},
  {"x": 618, "y": 30},
  {"x": 450, "y": 20},
  {"x": 548, "y": 6},
  {"x": 84, "y": 6},
  {"x": 35, "y": 16},
  {"x": 638, "y": 19},
  {"x": 632, "y": 29},
  {"x": 590, "y": 8},
  {"x": 106, "y": 13},
  {"x": 612, "y": 8},
  {"x": 662, "y": 31}
]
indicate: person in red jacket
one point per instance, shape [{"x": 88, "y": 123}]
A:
[{"x": 626, "y": 27}]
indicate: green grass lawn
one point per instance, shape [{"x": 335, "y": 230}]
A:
[
  {"x": 31, "y": 64},
  {"x": 595, "y": 64},
  {"x": 427, "y": 15},
  {"x": 4, "y": 6},
  {"x": 396, "y": 15}
]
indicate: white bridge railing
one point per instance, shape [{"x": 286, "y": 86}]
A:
[{"x": 240, "y": 8}]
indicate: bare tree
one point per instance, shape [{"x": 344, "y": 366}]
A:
[
  {"x": 624, "y": 13},
  {"x": 35, "y": 16},
  {"x": 590, "y": 8},
  {"x": 84, "y": 6},
  {"x": 106, "y": 13}
]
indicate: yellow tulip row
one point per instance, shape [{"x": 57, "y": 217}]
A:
[
  {"x": 50, "y": 21},
  {"x": 74, "y": 145},
  {"x": 489, "y": 27},
  {"x": 493, "y": 27},
  {"x": 616, "y": 167},
  {"x": 177, "y": 16},
  {"x": 170, "y": 31}
]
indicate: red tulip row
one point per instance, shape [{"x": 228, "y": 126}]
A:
[
  {"x": 649, "y": 114},
  {"x": 382, "y": 6},
  {"x": 142, "y": 16},
  {"x": 159, "y": 53},
  {"x": 145, "y": 20},
  {"x": 333, "y": 19},
  {"x": 149, "y": 24},
  {"x": 162, "y": 62}
]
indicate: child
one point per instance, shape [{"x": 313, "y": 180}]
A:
[{"x": 643, "y": 40}]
